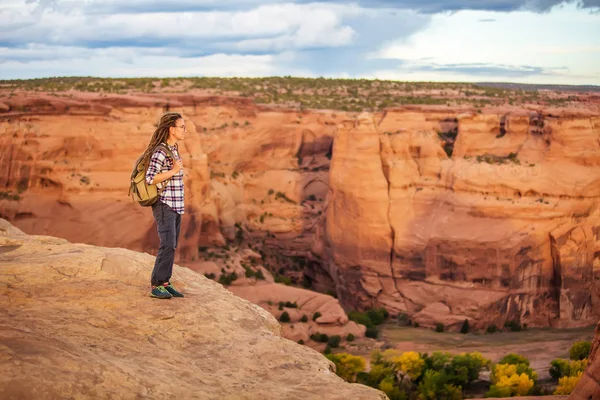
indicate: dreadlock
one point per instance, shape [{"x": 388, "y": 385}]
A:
[{"x": 161, "y": 134}]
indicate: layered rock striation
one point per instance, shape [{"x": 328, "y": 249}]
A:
[{"x": 485, "y": 217}]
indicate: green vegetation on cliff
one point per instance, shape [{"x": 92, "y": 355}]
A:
[{"x": 315, "y": 93}]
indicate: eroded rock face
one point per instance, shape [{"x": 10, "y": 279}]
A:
[
  {"x": 506, "y": 228},
  {"x": 78, "y": 323}
]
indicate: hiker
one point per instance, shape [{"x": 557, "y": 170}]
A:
[{"x": 166, "y": 171}]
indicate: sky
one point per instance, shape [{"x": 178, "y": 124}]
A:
[{"x": 525, "y": 41}]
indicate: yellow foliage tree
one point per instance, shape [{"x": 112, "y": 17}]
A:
[
  {"x": 520, "y": 385},
  {"x": 503, "y": 370},
  {"x": 566, "y": 384},
  {"x": 577, "y": 366},
  {"x": 410, "y": 363},
  {"x": 347, "y": 365}
]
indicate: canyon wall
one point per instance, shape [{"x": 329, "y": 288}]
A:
[
  {"x": 441, "y": 213},
  {"x": 506, "y": 228}
]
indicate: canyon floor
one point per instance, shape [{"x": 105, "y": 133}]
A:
[{"x": 539, "y": 345}]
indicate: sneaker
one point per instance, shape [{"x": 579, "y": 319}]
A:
[
  {"x": 160, "y": 292},
  {"x": 172, "y": 291}
]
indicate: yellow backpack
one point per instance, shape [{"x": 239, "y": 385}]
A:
[{"x": 145, "y": 194}]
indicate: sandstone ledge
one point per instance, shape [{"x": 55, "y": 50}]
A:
[{"x": 78, "y": 323}]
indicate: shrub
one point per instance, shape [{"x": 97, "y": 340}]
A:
[
  {"x": 403, "y": 319},
  {"x": 393, "y": 392},
  {"x": 327, "y": 350},
  {"x": 334, "y": 341},
  {"x": 300, "y": 341},
  {"x": 316, "y": 315},
  {"x": 9, "y": 196},
  {"x": 492, "y": 329},
  {"x": 320, "y": 337},
  {"x": 370, "y": 318},
  {"x": 283, "y": 196},
  {"x": 372, "y": 333},
  {"x": 580, "y": 350},
  {"x": 514, "y": 359},
  {"x": 566, "y": 384},
  {"x": 360, "y": 318},
  {"x": 286, "y": 280},
  {"x": 378, "y": 315},
  {"x": 496, "y": 391},
  {"x": 577, "y": 366},
  {"x": 559, "y": 368},
  {"x": 438, "y": 360},
  {"x": 439, "y": 327},
  {"x": 227, "y": 279},
  {"x": 347, "y": 366},
  {"x": 513, "y": 325},
  {"x": 520, "y": 385},
  {"x": 284, "y": 317},
  {"x": 435, "y": 386},
  {"x": 518, "y": 377},
  {"x": 304, "y": 318},
  {"x": 465, "y": 367},
  {"x": 259, "y": 275},
  {"x": 465, "y": 327},
  {"x": 350, "y": 337},
  {"x": 411, "y": 364}
]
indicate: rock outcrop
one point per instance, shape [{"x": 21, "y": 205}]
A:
[{"x": 78, "y": 323}]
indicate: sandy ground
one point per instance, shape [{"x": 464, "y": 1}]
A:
[{"x": 540, "y": 346}]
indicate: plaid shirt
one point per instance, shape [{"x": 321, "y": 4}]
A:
[{"x": 173, "y": 193}]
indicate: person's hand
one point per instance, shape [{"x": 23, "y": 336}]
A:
[{"x": 178, "y": 166}]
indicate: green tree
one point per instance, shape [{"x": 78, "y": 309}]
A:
[
  {"x": 580, "y": 350},
  {"x": 465, "y": 327},
  {"x": 284, "y": 317}
]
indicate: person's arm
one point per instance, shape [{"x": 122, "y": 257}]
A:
[
  {"x": 153, "y": 176},
  {"x": 163, "y": 176}
]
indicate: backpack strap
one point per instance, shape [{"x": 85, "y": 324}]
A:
[{"x": 164, "y": 147}]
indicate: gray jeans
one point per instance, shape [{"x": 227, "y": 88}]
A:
[{"x": 168, "y": 223}]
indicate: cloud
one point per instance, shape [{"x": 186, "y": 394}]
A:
[
  {"x": 484, "y": 69},
  {"x": 439, "y": 6},
  {"x": 270, "y": 28},
  {"x": 129, "y": 62},
  {"x": 403, "y": 38},
  {"x": 423, "y": 6},
  {"x": 317, "y": 38}
]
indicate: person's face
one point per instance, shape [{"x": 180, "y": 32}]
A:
[{"x": 179, "y": 130}]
